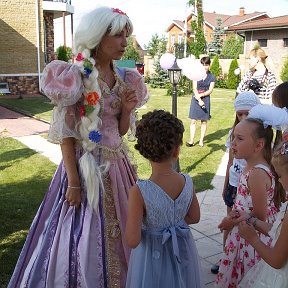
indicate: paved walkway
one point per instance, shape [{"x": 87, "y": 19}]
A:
[{"x": 206, "y": 234}]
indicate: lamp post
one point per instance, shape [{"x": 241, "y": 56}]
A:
[{"x": 174, "y": 73}]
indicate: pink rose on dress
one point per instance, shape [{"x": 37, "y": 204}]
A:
[
  {"x": 226, "y": 262},
  {"x": 238, "y": 237}
]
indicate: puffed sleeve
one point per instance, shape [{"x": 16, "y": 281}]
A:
[
  {"x": 136, "y": 82},
  {"x": 61, "y": 82}
]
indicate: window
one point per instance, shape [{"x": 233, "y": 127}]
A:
[
  {"x": 285, "y": 42},
  {"x": 172, "y": 40},
  {"x": 180, "y": 38},
  {"x": 262, "y": 42}
]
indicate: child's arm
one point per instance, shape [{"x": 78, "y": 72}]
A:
[
  {"x": 193, "y": 214},
  {"x": 226, "y": 181},
  {"x": 261, "y": 226},
  {"x": 227, "y": 224},
  {"x": 276, "y": 256},
  {"x": 135, "y": 217},
  {"x": 258, "y": 184}
]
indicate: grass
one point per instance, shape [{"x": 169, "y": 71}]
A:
[
  {"x": 200, "y": 163},
  {"x": 24, "y": 178},
  {"x": 40, "y": 107},
  {"x": 25, "y": 175}
]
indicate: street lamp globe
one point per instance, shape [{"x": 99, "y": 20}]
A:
[{"x": 174, "y": 73}]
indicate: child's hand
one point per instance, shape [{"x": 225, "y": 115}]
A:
[
  {"x": 247, "y": 232},
  {"x": 226, "y": 224},
  {"x": 239, "y": 216}
]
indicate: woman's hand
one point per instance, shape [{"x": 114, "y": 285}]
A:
[
  {"x": 247, "y": 232},
  {"x": 129, "y": 100},
  {"x": 73, "y": 196}
]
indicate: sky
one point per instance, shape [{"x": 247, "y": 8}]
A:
[{"x": 154, "y": 16}]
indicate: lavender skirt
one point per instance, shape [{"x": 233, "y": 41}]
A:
[{"x": 71, "y": 248}]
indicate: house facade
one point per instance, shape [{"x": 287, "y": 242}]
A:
[
  {"x": 272, "y": 36},
  {"x": 179, "y": 31},
  {"x": 27, "y": 41}
]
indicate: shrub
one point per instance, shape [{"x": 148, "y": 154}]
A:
[
  {"x": 284, "y": 71},
  {"x": 215, "y": 67},
  {"x": 233, "y": 80},
  {"x": 64, "y": 53},
  {"x": 232, "y": 47}
]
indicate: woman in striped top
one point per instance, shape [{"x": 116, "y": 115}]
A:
[{"x": 258, "y": 78}]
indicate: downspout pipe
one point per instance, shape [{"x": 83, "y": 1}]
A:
[{"x": 38, "y": 43}]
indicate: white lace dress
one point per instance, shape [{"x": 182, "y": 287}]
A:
[{"x": 263, "y": 275}]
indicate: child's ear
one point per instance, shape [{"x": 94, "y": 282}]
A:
[
  {"x": 260, "y": 144},
  {"x": 176, "y": 152}
]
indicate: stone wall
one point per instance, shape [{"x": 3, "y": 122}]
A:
[{"x": 22, "y": 85}]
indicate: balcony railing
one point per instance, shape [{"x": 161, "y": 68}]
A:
[{"x": 63, "y": 1}]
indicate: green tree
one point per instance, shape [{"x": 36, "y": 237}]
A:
[
  {"x": 233, "y": 80},
  {"x": 131, "y": 52},
  {"x": 284, "y": 71},
  {"x": 215, "y": 67},
  {"x": 156, "y": 46},
  {"x": 198, "y": 46},
  {"x": 160, "y": 78},
  {"x": 64, "y": 53},
  {"x": 232, "y": 47},
  {"x": 215, "y": 46}
]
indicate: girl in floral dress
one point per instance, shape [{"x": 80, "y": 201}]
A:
[{"x": 256, "y": 195}]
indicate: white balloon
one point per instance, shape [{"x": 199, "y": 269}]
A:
[
  {"x": 237, "y": 71},
  {"x": 181, "y": 63},
  {"x": 193, "y": 69},
  {"x": 167, "y": 60}
]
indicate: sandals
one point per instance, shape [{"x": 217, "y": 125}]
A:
[{"x": 189, "y": 144}]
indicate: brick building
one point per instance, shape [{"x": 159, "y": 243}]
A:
[
  {"x": 27, "y": 41},
  {"x": 179, "y": 30}
]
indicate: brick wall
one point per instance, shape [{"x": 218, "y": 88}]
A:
[
  {"x": 18, "y": 52},
  {"x": 18, "y": 45},
  {"x": 49, "y": 33},
  {"x": 275, "y": 49}
]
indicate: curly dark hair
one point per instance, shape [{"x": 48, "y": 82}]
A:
[{"x": 158, "y": 133}]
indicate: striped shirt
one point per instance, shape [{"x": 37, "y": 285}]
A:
[{"x": 267, "y": 81}]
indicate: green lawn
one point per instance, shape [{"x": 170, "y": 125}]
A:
[
  {"x": 201, "y": 163},
  {"x": 25, "y": 175},
  {"x": 24, "y": 178}
]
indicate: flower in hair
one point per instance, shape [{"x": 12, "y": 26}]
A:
[
  {"x": 88, "y": 67},
  {"x": 79, "y": 57},
  {"x": 92, "y": 98},
  {"x": 88, "y": 109},
  {"x": 95, "y": 136},
  {"x": 82, "y": 111},
  {"x": 116, "y": 10}
]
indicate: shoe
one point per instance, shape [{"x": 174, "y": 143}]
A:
[
  {"x": 201, "y": 144},
  {"x": 189, "y": 144},
  {"x": 215, "y": 269}
]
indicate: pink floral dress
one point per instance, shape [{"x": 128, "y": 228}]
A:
[{"x": 239, "y": 255}]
